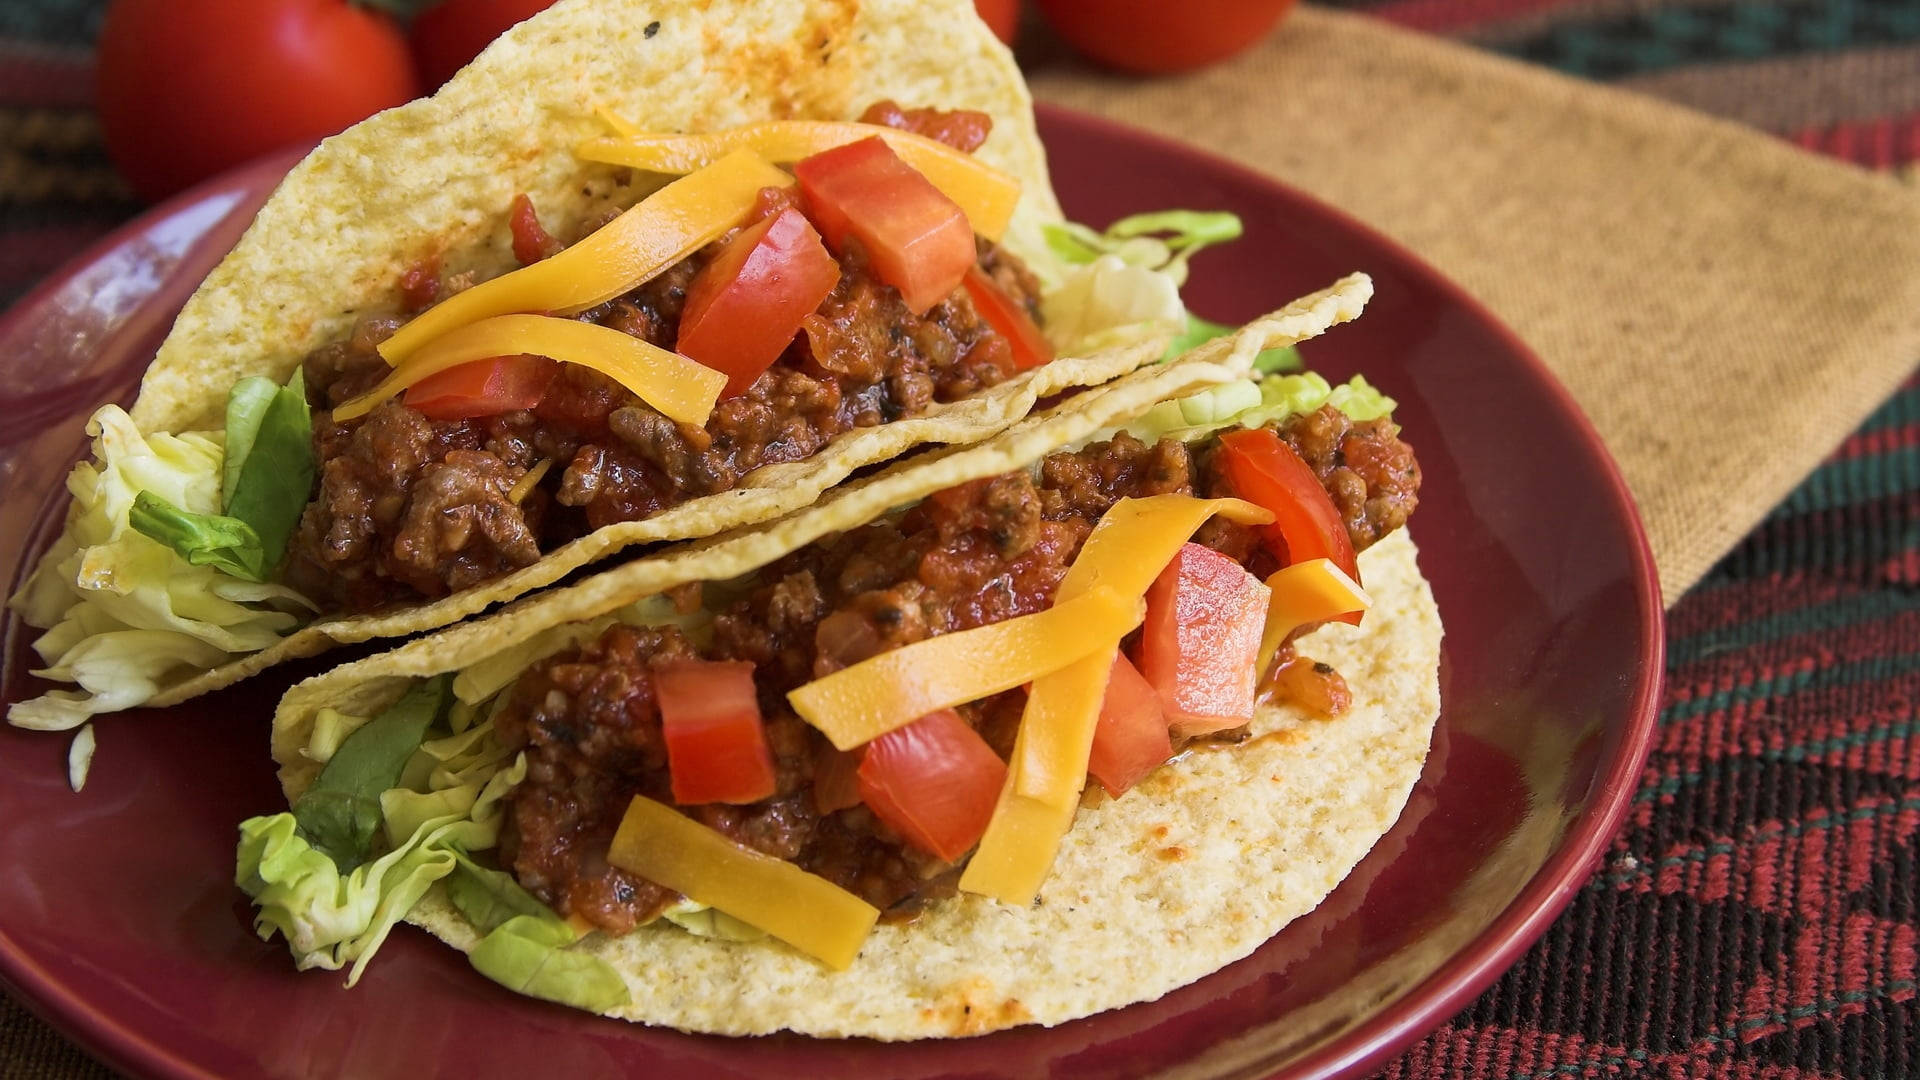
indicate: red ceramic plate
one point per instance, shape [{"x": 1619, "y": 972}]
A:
[{"x": 120, "y": 924}]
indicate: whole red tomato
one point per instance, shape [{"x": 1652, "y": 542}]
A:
[
  {"x": 447, "y": 35},
  {"x": 1154, "y": 37},
  {"x": 190, "y": 88},
  {"x": 1003, "y": 16}
]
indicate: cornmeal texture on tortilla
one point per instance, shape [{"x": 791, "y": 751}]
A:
[
  {"x": 1208, "y": 858},
  {"x": 435, "y": 178}
]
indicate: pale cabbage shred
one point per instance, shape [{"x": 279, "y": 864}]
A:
[
  {"x": 451, "y": 796},
  {"x": 1114, "y": 300},
  {"x": 124, "y": 611}
]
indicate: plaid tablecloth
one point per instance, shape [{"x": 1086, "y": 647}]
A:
[{"x": 1757, "y": 916}]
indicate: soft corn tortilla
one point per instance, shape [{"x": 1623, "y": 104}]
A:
[
  {"x": 436, "y": 177},
  {"x": 1191, "y": 871}
]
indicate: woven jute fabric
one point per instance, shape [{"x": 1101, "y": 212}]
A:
[{"x": 1724, "y": 307}]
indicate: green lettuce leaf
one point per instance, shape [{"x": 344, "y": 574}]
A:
[
  {"x": 1199, "y": 331},
  {"x": 340, "y": 814},
  {"x": 330, "y": 919},
  {"x": 268, "y": 470},
  {"x": 488, "y": 897},
  {"x": 225, "y": 543},
  {"x": 246, "y": 408},
  {"x": 528, "y": 955},
  {"x": 125, "y": 613},
  {"x": 1252, "y": 404}
]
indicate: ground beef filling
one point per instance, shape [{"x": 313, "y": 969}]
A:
[
  {"x": 410, "y": 508},
  {"x": 969, "y": 556}
]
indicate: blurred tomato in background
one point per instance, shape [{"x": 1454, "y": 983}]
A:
[
  {"x": 1002, "y": 15},
  {"x": 190, "y": 88},
  {"x": 187, "y": 89},
  {"x": 447, "y": 35},
  {"x": 1157, "y": 37}
]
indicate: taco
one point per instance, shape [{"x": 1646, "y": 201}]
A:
[
  {"x": 687, "y": 796},
  {"x": 641, "y": 273}
]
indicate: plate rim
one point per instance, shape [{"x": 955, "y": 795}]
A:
[
  {"x": 1477, "y": 963},
  {"x": 1392, "y": 1026}
]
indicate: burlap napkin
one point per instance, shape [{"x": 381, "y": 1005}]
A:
[{"x": 1724, "y": 306}]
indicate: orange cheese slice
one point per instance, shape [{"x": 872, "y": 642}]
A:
[
  {"x": 984, "y": 193},
  {"x": 681, "y": 389},
  {"x": 655, "y": 233},
  {"x": 807, "y": 912}
]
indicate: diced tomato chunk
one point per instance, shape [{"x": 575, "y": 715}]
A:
[
  {"x": 1030, "y": 348},
  {"x": 916, "y": 238},
  {"x": 935, "y": 782},
  {"x": 1262, "y": 469},
  {"x": 716, "y": 745},
  {"x": 1130, "y": 739},
  {"x": 483, "y": 388},
  {"x": 836, "y": 779},
  {"x": 1201, "y": 640},
  {"x": 747, "y": 304},
  {"x": 531, "y": 240}
]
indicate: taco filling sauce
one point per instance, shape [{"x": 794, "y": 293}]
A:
[
  {"x": 871, "y": 820},
  {"x": 414, "y": 503}
]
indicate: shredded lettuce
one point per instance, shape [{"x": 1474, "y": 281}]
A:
[
  {"x": 1163, "y": 241},
  {"x": 247, "y": 405},
  {"x": 80, "y": 758},
  {"x": 265, "y": 477},
  {"x": 1258, "y": 403},
  {"x": 1200, "y": 331},
  {"x": 486, "y": 677},
  {"x": 1107, "y": 286},
  {"x": 225, "y": 543},
  {"x": 1108, "y": 302},
  {"x": 340, "y": 813},
  {"x": 529, "y": 955},
  {"x": 268, "y": 470},
  {"x": 487, "y": 897},
  {"x": 330, "y": 919},
  {"x": 702, "y": 921},
  {"x": 125, "y": 612}
]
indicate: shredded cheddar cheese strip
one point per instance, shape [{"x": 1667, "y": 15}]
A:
[
  {"x": 807, "y": 912},
  {"x": 984, "y": 193},
  {"x": 1307, "y": 592},
  {"x": 681, "y": 389},
  {"x": 1126, "y": 551},
  {"x": 655, "y": 233},
  {"x": 855, "y": 705},
  {"x": 1018, "y": 847}
]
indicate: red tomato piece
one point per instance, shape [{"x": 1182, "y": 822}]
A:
[
  {"x": 1153, "y": 37},
  {"x": 916, "y": 238},
  {"x": 1262, "y": 469},
  {"x": 483, "y": 388},
  {"x": 836, "y": 779},
  {"x": 716, "y": 745},
  {"x": 531, "y": 240},
  {"x": 447, "y": 35},
  {"x": 189, "y": 90},
  {"x": 1201, "y": 640},
  {"x": 745, "y": 306},
  {"x": 1130, "y": 739},
  {"x": 1001, "y": 16},
  {"x": 935, "y": 782},
  {"x": 1010, "y": 318}
]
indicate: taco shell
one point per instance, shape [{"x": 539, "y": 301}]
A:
[
  {"x": 434, "y": 179},
  {"x": 1191, "y": 871}
]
